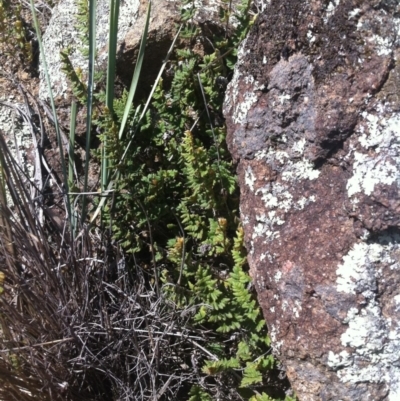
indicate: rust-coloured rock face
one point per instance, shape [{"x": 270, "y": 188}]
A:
[{"x": 313, "y": 114}]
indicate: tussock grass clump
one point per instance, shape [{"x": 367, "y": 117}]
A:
[{"x": 76, "y": 323}]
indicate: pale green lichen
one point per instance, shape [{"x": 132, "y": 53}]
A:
[
  {"x": 62, "y": 32},
  {"x": 265, "y": 226},
  {"x": 381, "y": 166},
  {"x": 238, "y": 103},
  {"x": 249, "y": 178},
  {"x": 373, "y": 338}
]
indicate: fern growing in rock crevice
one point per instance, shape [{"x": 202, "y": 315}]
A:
[
  {"x": 172, "y": 286},
  {"x": 176, "y": 211}
]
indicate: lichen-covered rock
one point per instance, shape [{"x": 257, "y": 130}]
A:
[
  {"x": 62, "y": 32},
  {"x": 313, "y": 114}
]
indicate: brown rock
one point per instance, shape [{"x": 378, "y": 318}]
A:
[{"x": 314, "y": 124}]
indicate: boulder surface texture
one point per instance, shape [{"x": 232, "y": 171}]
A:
[
  {"x": 62, "y": 32},
  {"x": 313, "y": 114}
]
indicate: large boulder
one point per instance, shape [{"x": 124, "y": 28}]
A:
[{"x": 313, "y": 114}]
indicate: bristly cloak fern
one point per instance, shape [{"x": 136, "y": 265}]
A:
[{"x": 177, "y": 206}]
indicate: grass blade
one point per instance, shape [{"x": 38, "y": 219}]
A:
[
  {"x": 5, "y": 229},
  {"x": 53, "y": 107},
  {"x": 136, "y": 74},
  {"x": 112, "y": 52},
  {"x": 146, "y": 106},
  {"x": 89, "y": 105},
  {"x": 111, "y": 67},
  {"x": 71, "y": 163},
  {"x": 115, "y": 177}
]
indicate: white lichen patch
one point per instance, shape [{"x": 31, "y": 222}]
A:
[
  {"x": 299, "y": 146},
  {"x": 237, "y": 102},
  {"x": 301, "y": 170},
  {"x": 297, "y": 308},
  {"x": 380, "y": 136},
  {"x": 366, "y": 331},
  {"x": 17, "y": 133},
  {"x": 354, "y": 13},
  {"x": 303, "y": 202},
  {"x": 381, "y": 132},
  {"x": 282, "y": 98},
  {"x": 244, "y": 219},
  {"x": 249, "y": 178},
  {"x": 373, "y": 337},
  {"x": 276, "y": 345},
  {"x": 358, "y": 267},
  {"x": 338, "y": 360},
  {"x": 277, "y": 196},
  {"x": 268, "y": 256},
  {"x": 397, "y": 302},
  {"x": 270, "y": 200},
  {"x": 330, "y": 10},
  {"x": 352, "y": 312},
  {"x": 310, "y": 36},
  {"x": 242, "y": 108},
  {"x": 265, "y": 226},
  {"x": 261, "y": 154},
  {"x": 260, "y": 281},
  {"x": 384, "y": 46},
  {"x": 370, "y": 172},
  {"x": 292, "y": 170},
  {"x": 278, "y": 276},
  {"x": 62, "y": 32}
]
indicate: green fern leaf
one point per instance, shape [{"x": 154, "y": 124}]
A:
[
  {"x": 251, "y": 375},
  {"x": 198, "y": 394},
  {"x": 261, "y": 397}
]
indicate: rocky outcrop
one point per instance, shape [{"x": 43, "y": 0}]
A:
[
  {"x": 313, "y": 114},
  {"x": 63, "y": 32}
]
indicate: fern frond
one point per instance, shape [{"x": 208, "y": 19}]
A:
[{"x": 223, "y": 365}]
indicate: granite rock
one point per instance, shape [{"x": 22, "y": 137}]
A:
[
  {"x": 62, "y": 33},
  {"x": 313, "y": 117}
]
